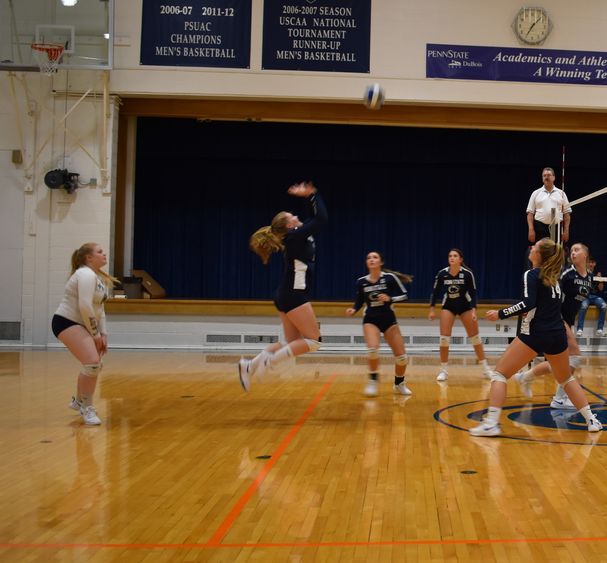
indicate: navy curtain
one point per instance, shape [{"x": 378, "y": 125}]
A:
[{"x": 203, "y": 187}]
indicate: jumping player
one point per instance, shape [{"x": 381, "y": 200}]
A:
[
  {"x": 377, "y": 291},
  {"x": 296, "y": 240},
  {"x": 576, "y": 283},
  {"x": 457, "y": 283},
  {"x": 542, "y": 332}
]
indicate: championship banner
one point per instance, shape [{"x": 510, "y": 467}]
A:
[
  {"x": 208, "y": 33},
  {"x": 463, "y": 62},
  {"x": 316, "y": 35}
]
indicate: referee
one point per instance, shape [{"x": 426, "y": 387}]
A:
[{"x": 540, "y": 210}]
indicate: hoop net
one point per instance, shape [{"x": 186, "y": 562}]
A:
[{"x": 48, "y": 56}]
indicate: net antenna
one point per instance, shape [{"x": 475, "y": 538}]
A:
[{"x": 48, "y": 56}]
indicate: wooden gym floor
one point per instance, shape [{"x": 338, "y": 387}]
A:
[{"x": 187, "y": 467}]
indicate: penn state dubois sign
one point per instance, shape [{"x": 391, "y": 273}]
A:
[
  {"x": 466, "y": 62},
  {"x": 206, "y": 33},
  {"x": 316, "y": 35}
]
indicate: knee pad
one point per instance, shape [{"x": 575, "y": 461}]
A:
[
  {"x": 402, "y": 360},
  {"x": 475, "y": 340},
  {"x": 313, "y": 345},
  {"x": 574, "y": 362},
  {"x": 568, "y": 381},
  {"x": 91, "y": 370},
  {"x": 372, "y": 353},
  {"x": 497, "y": 376},
  {"x": 444, "y": 341}
]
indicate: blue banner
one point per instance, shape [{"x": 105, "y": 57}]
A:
[
  {"x": 316, "y": 35},
  {"x": 465, "y": 62},
  {"x": 209, "y": 33}
]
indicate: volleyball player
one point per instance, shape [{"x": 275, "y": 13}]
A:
[
  {"x": 576, "y": 282},
  {"x": 79, "y": 323},
  {"x": 456, "y": 283},
  {"x": 542, "y": 332},
  {"x": 377, "y": 291},
  {"x": 296, "y": 241}
]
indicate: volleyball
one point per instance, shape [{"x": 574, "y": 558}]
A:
[{"x": 374, "y": 96}]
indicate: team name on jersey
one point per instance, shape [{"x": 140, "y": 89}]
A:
[
  {"x": 375, "y": 287},
  {"x": 455, "y": 282}
]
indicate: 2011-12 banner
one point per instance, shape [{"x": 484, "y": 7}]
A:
[
  {"x": 206, "y": 33},
  {"x": 465, "y": 62},
  {"x": 316, "y": 35}
]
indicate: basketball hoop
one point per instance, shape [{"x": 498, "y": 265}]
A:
[{"x": 48, "y": 56}]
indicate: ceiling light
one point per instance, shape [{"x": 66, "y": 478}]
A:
[{"x": 69, "y": 2}]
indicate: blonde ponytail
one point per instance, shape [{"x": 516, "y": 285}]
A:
[{"x": 267, "y": 240}]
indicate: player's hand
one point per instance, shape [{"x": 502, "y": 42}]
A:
[
  {"x": 565, "y": 236},
  {"x": 431, "y": 315},
  {"x": 350, "y": 311},
  {"x": 103, "y": 344},
  {"x": 492, "y": 315},
  {"x": 531, "y": 235},
  {"x": 303, "y": 189},
  {"x": 384, "y": 298},
  {"x": 98, "y": 339}
]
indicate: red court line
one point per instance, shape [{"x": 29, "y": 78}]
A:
[
  {"x": 295, "y": 544},
  {"x": 225, "y": 526}
]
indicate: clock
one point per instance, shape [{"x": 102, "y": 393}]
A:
[{"x": 532, "y": 26}]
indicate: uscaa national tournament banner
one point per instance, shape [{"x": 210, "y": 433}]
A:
[
  {"x": 316, "y": 35},
  {"x": 464, "y": 62},
  {"x": 209, "y": 33}
]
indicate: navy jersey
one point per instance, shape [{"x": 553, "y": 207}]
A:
[
  {"x": 541, "y": 303},
  {"x": 575, "y": 289},
  {"x": 459, "y": 290},
  {"x": 367, "y": 293},
  {"x": 300, "y": 249}
]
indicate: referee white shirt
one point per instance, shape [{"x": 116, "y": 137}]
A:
[{"x": 543, "y": 201}]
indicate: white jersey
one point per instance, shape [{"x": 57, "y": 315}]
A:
[{"x": 85, "y": 293}]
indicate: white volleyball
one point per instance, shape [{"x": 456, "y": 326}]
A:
[{"x": 374, "y": 96}]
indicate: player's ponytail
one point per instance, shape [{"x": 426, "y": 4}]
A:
[
  {"x": 405, "y": 278},
  {"x": 553, "y": 258},
  {"x": 267, "y": 240}
]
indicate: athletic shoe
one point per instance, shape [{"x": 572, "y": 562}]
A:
[
  {"x": 564, "y": 403},
  {"x": 402, "y": 389},
  {"x": 442, "y": 376},
  {"x": 263, "y": 365},
  {"x": 486, "y": 429},
  {"x": 524, "y": 385},
  {"x": 89, "y": 415},
  {"x": 74, "y": 404},
  {"x": 599, "y": 333},
  {"x": 579, "y": 332},
  {"x": 594, "y": 425},
  {"x": 244, "y": 373},
  {"x": 371, "y": 388}
]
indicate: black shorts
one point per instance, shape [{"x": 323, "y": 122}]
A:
[
  {"x": 383, "y": 322},
  {"x": 59, "y": 324},
  {"x": 457, "y": 308},
  {"x": 569, "y": 319},
  {"x": 286, "y": 301},
  {"x": 551, "y": 342}
]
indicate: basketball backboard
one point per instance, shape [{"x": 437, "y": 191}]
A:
[{"x": 83, "y": 27}]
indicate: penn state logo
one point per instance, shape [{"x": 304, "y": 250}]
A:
[
  {"x": 374, "y": 296},
  {"x": 453, "y": 289},
  {"x": 584, "y": 291}
]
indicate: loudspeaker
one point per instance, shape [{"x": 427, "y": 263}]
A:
[{"x": 150, "y": 286}]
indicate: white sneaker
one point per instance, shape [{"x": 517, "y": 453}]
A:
[
  {"x": 264, "y": 365},
  {"x": 486, "y": 429},
  {"x": 579, "y": 332},
  {"x": 599, "y": 333},
  {"x": 442, "y": 376},
  {"x": 594, "y": 425},
  {"x": 524, "y": 385},
  {"x": 402, "y": 389},
  {"x": 89, "y": 415},
  {"x": 74, "y": 404},
  {"x": 244, "y": 373},
  {"x": 564, "y": 403},
  {"x": 371, "y": 388}
]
